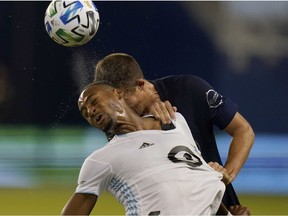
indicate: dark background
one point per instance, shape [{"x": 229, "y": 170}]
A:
[{"x": 41, "y": 80}]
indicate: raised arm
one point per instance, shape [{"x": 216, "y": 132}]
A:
[
  {"x": 80, "y": 204},
  {"x": 242, "y": 141}
]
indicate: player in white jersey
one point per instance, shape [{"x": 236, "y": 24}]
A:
[{"x": 150, "y": 171}]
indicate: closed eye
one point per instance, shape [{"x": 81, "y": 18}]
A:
[{"x": 94, "y": 102}]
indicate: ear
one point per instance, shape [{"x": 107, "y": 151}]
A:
[
  {"x": 140, "y": 83},
  {"x": 119, "y": 93}
]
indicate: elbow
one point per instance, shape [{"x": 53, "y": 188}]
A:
[
  {"x": 244, "y": 132},
  {"x": 248, "y": 134}
]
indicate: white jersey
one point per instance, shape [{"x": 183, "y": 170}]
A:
[{"x": 154, "y": 172}]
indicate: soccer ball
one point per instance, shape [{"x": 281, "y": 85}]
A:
[{"x": 71, "y": 22}]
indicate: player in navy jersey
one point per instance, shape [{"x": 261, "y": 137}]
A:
[
  {"x": 200, "y": 104},
  {"x": 151, "y": 170}
]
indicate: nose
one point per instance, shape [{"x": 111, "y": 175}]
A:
[{"x": 91, "y": 111}]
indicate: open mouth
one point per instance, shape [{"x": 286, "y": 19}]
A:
[
  {"x": 98, "y": 118},
  {"x": 103, "y": 122}
]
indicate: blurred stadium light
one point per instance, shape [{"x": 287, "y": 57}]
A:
[
  {"x": 34, "y": 157},
  {"x": 266, "y": 170}
]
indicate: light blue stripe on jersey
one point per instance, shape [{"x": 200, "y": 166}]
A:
[{"x": 124, "y": 194}]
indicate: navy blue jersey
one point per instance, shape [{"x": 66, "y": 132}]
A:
[{"x": 202, "y": 108}]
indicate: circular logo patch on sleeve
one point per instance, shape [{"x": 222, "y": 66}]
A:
[{"x": 213, "y": 98}]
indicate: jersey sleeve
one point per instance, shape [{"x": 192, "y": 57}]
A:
[
  {"x": 94, "y": 177},
  {"x": 193, "y": 94},
  {"x": 220, "y": 109}
]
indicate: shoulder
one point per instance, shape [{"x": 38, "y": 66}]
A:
[
  {"x": 180, "y": 121},
  {"x": 179, "y": 117},
  {"x": 96, "y": 165},
  {"x": 98, "y": 158},
  {"x": 179, "y": 78},
  {"x": 183, "y": 82}
]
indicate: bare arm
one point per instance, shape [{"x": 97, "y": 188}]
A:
[
  {"x": 80, "y": 204},
  {"x": 242, "y": 141}
]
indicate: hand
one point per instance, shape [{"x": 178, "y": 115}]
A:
[
  {"x": 163, "y": 111},
  {"x": 217, "y": 167},
  {"x": 122, "y": 125},
  {"x": 239, "y": 210}
]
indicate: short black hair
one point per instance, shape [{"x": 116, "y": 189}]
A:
[
  {"x": 120, "y": 69},
  {"x": 99, "y": 83}
]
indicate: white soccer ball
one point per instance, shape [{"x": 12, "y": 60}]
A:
[{"x": 71, "y": 22}]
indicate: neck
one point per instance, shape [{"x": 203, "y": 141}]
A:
[
  {"x": 146, "y": 123},
  {"x": 136, "y": 123}
]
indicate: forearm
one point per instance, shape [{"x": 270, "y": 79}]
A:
[
  {"x": 80, "y": 204},
  {"x": 239, "y": 150}
]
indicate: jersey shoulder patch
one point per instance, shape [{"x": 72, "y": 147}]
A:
[{"x": 213, "y": 98}]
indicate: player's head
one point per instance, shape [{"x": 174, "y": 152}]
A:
[
  {"x": 123, "y": 71},
  {"x": 101, "y": 104},
  {"x": 120, "y": 69}
]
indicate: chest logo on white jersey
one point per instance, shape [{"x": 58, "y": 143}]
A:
[
  {"x": 182, "y": 154},
  {"x": 145, "y": 145}
]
